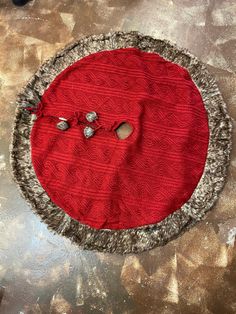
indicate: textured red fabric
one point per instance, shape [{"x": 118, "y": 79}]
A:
[{"x": 106, "y": 182}]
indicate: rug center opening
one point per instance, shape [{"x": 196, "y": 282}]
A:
[{"x": 124, "y": 130}]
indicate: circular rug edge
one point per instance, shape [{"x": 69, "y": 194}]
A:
[{"x": 141, "y": 238}]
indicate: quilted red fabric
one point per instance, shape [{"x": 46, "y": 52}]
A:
[{"x": 106, "y": 182}]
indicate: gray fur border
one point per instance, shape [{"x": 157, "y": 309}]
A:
[{"x": 146, "y": 237}]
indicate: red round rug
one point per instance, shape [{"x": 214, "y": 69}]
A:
[{"x": 121, "y": 142}]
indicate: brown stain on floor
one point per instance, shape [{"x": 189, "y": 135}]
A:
[{"x": 44, "y": 273}]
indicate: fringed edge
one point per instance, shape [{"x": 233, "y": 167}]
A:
[{"x": 141, "y": 238}]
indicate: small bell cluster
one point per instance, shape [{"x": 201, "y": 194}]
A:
[{"x": 88, "y": 131}]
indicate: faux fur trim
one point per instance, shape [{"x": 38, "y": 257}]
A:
[{"x": 146, "y": 237}]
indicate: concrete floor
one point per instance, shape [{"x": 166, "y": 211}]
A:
[{"x": 44, "y": 273}]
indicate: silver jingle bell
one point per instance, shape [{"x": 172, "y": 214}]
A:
[
  {"x": 63, "y": 125},
  {"x": 91, "y": 116},
  {"x": 88, "y": 131}
]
